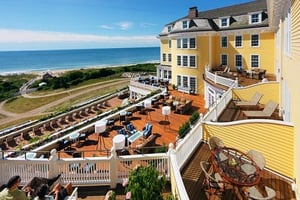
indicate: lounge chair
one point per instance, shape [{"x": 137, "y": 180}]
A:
[
  {"x": 253, "y": 102},
  {"x": 267, "y": 112}
]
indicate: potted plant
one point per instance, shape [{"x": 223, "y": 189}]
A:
[
  {"x": 184, "y": 129},
  {"x": 194, "y": 117}
]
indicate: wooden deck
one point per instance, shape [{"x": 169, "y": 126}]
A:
[
  {"x": 166, "y": 133},
  {"x": 193, "y": 178}
]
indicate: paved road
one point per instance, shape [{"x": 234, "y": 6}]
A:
[{"x": 10, "y": 117}]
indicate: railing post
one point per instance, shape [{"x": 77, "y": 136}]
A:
[
  {"x": 53, "y": 167},
  {"x": 113, "y": 169},
  {"x": 2, "y": 154},
  {"x": 170, "y": 151}
]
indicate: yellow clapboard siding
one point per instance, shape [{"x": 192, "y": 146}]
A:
[{"x": 275, "y": 141}]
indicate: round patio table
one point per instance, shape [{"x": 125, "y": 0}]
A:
[{"x": 235, "y": 167}]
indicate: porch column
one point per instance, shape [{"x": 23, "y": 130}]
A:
[{"x": 113, "y": 169}]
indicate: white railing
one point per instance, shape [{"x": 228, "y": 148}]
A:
[
  {"x": 82, "y": 171},
  {"x": 228, "y": 82},
  {"x": 135, "y": 83}
]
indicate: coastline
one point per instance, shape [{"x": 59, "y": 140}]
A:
[{"x": 61, "y": 71}]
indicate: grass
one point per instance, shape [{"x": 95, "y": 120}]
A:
[
  {"x": 12, "y": 123},
  {"x": 21, "y": 104}
]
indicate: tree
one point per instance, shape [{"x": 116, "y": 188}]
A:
[{"x": 145, "y": 183}]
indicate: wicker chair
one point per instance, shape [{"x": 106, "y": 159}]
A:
[
  {"x": 213, "y": 180},
  {"x": 214, "y": 142},
  {"x": 258, "y": 158}
]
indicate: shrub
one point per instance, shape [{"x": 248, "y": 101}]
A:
[
  {"x": 183, "y": 130},
  {"x": 194, "y": 117},
  {"x": 144, "y": 183}
]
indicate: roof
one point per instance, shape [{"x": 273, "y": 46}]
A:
[{"x": 210, "y": 20}]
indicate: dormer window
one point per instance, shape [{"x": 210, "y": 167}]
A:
[
  {"x": 184, "y": 24},
  {"x": 255, "y": 18},
  {"x": 224, "y": 22},
  {"x": 169, "y": 29}
]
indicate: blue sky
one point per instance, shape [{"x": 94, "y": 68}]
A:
[{"x": 80, "y": 24}]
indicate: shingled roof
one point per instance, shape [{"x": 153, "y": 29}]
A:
[{"x": 209, "y": 20}]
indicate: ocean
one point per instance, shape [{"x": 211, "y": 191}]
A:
[{"x": 47, "y": 60}]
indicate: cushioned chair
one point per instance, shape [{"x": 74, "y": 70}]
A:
[
  {"x": 130, "y": 128},
  {"x": 147, "y": 130},
  {"x": 214, "y": 142},
  {"x": 267, "y": 112},
  {"x": 253, "y": 102},
  {"x": 122, "y": 131},
  {"x": 213, "y": 180}
]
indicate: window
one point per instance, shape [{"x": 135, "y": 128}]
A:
[
  {"x": 224, "y": 22},
  {"x": 165, "y": 74},
  {"x": 238, "y": 61},
  {"x": 255, "y": 18},
  {"x": 170, "y": 43},
  {"x": 164, "y": 57},
  {"x": 193, "y": 83},
  {"x": 169, "y": 29},
  {"x": 178, "y": 80},
  {"x": 187, "y": 82},
  {"x": 184, "y": 24},
  {"x": 238, "y": 41},
  {"x": 192, "y": 43},
  {"x": 192, "y": 61},
  {"x": 224, "y": 42},
  {"x": 224, "y": 59},
  {"x": 186, "y": 61},
  {"x": 255, "y": 40},
  {"x": 254, "y": 60},
  {"x": 185, "y": 43},
  {"x": 179, "y": 43},
  {"x": 178, "y": 60},
  {"x": 169, "y": 57}
]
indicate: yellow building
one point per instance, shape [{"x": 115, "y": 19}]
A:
[
  {"x": 236, "y": 36},
  {"x": 261, "y": 34}
]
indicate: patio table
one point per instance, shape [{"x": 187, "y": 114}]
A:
[
  {"x": 135, "y": 136},
  {"x": 235, "y": 167}
]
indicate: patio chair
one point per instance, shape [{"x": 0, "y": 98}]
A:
[
  {"x": 147, "y": 130},
  {"x": 253, "y": 102},
  {"x": 267, "y": 112},
  {"x": 213, "y": 180},
  {"x": 254, "y": 193},
  {"x": 214, "y": 142},
  {"x": 130, "y": 128},
  {"x": 258, "y": 158}
]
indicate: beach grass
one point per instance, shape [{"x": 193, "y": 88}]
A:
[
  {"x": 86, "y": 96},
  {"x": 19, "y": 121},
  {"x": 21, "y": 104}
]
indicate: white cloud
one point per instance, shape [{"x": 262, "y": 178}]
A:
[
  {"x": 27, "y": 36},
  {"x": 146, "y": 25},
  {"x": 125, "y": 25},
  {"x": 106, "y": 27}
]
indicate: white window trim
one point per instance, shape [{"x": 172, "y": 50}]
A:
[
  {"x": 258, "y": 40},
  {"x": 258, "y": 61},
  {"x": 235, "y": 61},
  {"x": 188, "y": 43},
  {"x": 188, "y": 80},
  {"x": 187, "y": 24},
  {"x": 221, "y": 57},
  {"x": 241, "y": 41},
  {"x": 259, "y": 17},
  {"x": 221, "y": 45},
  {"x": 188, "y": 60},
  {"x": 227, "y": 22},
  {"x": 287, "y": 32}
]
